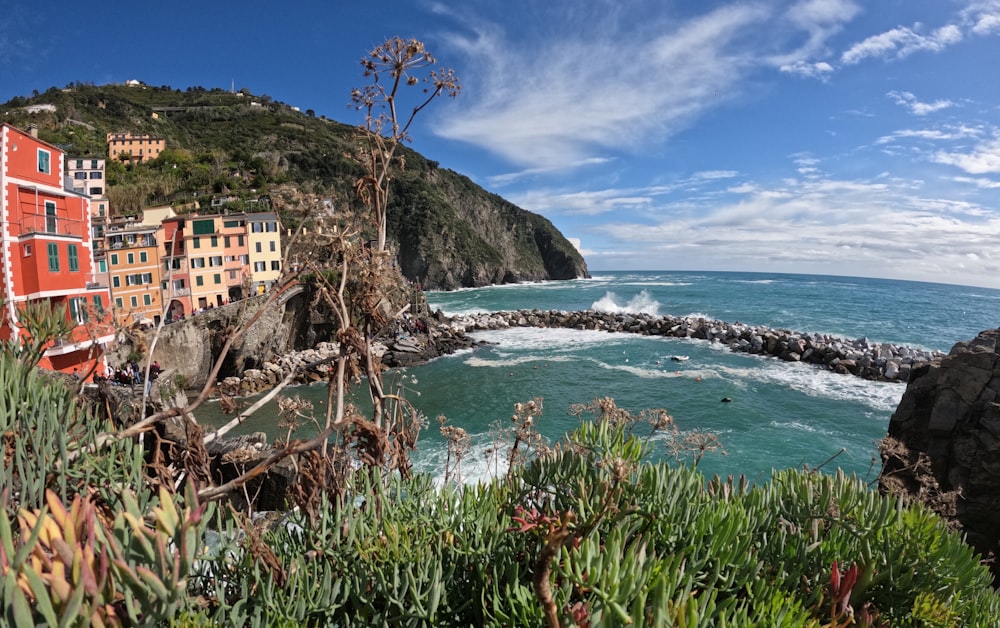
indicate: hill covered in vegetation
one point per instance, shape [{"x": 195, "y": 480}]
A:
[{"x": 448, "y": 231}]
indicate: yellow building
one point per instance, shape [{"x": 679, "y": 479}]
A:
[
  {"x": 205, "y": 246},
  {"x": 264, "y": 239},
  {"x": 134, "y": 270},
  {"x": 126, "y": 146}
]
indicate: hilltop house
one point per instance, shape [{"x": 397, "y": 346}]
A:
[
  {"x": 139, "y": 148},
  {"x": 45, "y": 254}
]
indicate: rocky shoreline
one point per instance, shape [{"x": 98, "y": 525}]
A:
[{"x": 860, "y": 357}]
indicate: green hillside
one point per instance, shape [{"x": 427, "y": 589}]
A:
[{"x": 449, "y": 232}]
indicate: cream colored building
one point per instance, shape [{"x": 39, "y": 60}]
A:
[{"x": 264, "y": 244}]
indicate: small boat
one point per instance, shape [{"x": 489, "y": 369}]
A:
[{"x": 679, "y": 358}]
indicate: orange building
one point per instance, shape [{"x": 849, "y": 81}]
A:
[
  {"x": 237, "y": 260},
  {"x": 45, "y": 254},
  {"x": 134, "y": 267},
  {"x": 126, "y": 146}
]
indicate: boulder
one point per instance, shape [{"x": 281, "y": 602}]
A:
[{"x": 943, "y": 443}]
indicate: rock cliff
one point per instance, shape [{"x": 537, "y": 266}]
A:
[
  {"x": 451, "y": 233},
  {"x": 943, "y": 445}
]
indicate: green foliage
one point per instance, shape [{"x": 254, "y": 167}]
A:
[{"x": 630, "y": 541}]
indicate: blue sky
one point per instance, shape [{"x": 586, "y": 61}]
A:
[{"x": 813, "y": 136}]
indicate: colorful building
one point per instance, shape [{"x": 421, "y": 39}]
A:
[
  {"x": 175, "y": 281},
  {"x": 134, "y": 268},
  {"x": 265, "y": 250},
  {"x": 126, "y": 146},
  {"x": 45, "y": 252}
]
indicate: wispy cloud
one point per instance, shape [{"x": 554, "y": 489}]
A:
[
  {"x": 901, "y": 42},
  {"x": 819, "y": 20},
  {"x": 908, "y": 100},
  {"x": 983, "y": 17},
  {"x": 591, "y": 88},
  {"x": 853, "y": 226},
  {"x": 943, "y": 134},
  {"x": 982, "y": 159}
]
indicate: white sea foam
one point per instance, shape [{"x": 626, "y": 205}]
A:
[
  {"x": 542, "y": 340},
  {"x": 880, "y": 396},
  {"x": 642, "y": 303}
]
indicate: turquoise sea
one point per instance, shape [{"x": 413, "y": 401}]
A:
[{"x": 780, "y": 415}]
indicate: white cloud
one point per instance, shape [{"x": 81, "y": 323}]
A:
[
  {"x": 596, "y": 90},
  {"x": 820, "y": 69},
  {"x": 901, "y": 42},
  {"x": 983, "y": 159},
  {"x": 908, "y": 100},
  {"x": 945, "y": 133},
  {"x": 868, "y": 228},
  {"x": 982, "y": 17},
  {"x": 979, "y": 182}
]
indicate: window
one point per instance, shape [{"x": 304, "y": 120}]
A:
[
  {"x": 196, "y": 242},
  {"x": 259, "y": 267},
  {"x": 98, "y": 304},
  {"x": 51, "y": 225},
  {"x": 44, "y": 161},
  {"x": 203, "y": 227},
  {"x": 102, "y": 266},
  {"x": 74, "y": 260},
  {"x": 146, "y": 299},
  {"x": 119, "y": 303},
  {"x": 197, "y": 262},
  {"x": 199, "y": 281},
  {"x": 275, "y": 265},
  {"x": 143, "y": 257},
  {"x": 260, "y": 247},
  {"x": 96, "y": 191},
  {"x": 93, "y": 164},
  {"x": 215, "y": 260},
  {"x": 272, "y": 227},
  {"x": 226, "y": 243},
  {"x": 232, "y": 275},
  {"x": 95, "y": 175},
  {"x": 78, "y": 309},
  {"x": 257, "y": 227},
  {"x": 27, "y": 250},
  {"x": 274, "y": 246},
  {"x": 116, "y": 282},
  {"x": 79, "y": 163},
  {"x": 215, "y": 241},
  {"x": 147, "y": 278},
  {"x": 179, "y": 284},
  {"x": 217, "y": 278},
  {"x": 239, "y": 240},
  {"x": 79, "y": 175},
  {"x": 114, "y": 259},
  {"x": 134, "y": 301},
  {"x": 53, "y": 257},
  {"x": 130, "y": 257}
]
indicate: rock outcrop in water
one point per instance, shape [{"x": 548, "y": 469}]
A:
[{"x": 943, "y": 446}]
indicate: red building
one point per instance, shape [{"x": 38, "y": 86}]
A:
[{"x": 45, "y": 252}]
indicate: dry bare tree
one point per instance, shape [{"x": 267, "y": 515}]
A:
[{"x": 391, "y": 66}]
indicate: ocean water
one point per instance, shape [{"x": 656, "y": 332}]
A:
[{"x": 780, "y": 415}]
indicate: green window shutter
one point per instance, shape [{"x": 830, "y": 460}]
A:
[
  {"x": 53, "y": 257},
  {"x": 74, "y": 260}
]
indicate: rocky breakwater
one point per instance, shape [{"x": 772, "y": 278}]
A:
[
  {"x": 312, "y": 365},
  {"x": 862, "y": 358},
  {"x": 943, "y": 445}
]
